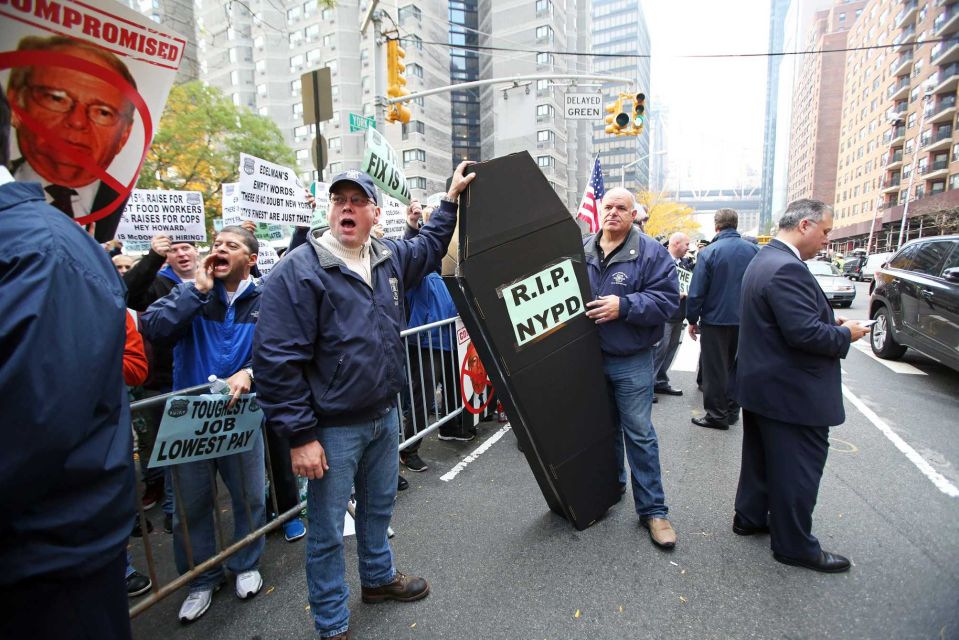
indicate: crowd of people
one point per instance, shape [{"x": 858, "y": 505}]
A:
[{"x": 318, "y": 341}]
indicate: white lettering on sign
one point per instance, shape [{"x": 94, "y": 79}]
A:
[
  {"x": 685, "y": 278},
  {"x": 177, "y": 214},
  {"x": 543, "y": 301},
  {"x": 584, "y": 106}
]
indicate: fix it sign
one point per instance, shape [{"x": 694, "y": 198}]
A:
[{"x": 542, "y": 302}]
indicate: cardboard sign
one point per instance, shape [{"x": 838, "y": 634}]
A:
[
  {"x": 685, "y": 279},
  {"x": 543, "y": 301},
  {"x": 382, "y": 164},
  {"x": 268, "y": 232},
  {"x": 321, "y": 193},
  {"x": 584, "y": 106},
  {"x": 475, "y": 386},
  {"x": 272, "y": 193},
  {"x": 202, "y": 427},
  {"x": 230, "y": 202},
  {"x": 177, "y": 214},
  {"x": 266, "y": 259},
  {"x": 393, "y": 218},
  {"x": 124, "y": 62}
]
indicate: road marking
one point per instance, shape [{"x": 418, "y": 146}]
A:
[
  {"x": 477, "y": 452},
  {"x": 941, "y": 482},
  {"x": 892, "y": 365},
  {"x": 687, "y": 356}
]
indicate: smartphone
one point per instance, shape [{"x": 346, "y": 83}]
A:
[{"x": 867, "y": 323}]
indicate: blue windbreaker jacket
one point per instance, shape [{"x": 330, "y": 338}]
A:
[
  {"x": 212, "y": 337},
  {"x": 66, "y": 463},
  {"x": 327, "y": 348},
  {"x": 717, "y": 279},
  {"x": 643, "y": 275}
]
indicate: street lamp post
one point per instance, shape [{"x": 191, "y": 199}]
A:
[{"x": 622, "y": 182}]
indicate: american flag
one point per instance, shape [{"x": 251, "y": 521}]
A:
[{"x": 592, "y": 196}]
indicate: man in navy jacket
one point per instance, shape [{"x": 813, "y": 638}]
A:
[
  {"x": 634, "y": 281},
  {"x": 712, "y": 310},
  {"x": 788, "y": 383},
  {"x": 329, "y": 363},
  {"x": 66, "y": 464}
]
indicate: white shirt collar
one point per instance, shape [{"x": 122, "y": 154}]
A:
[
  {"x": 791, "y": 247},
  {"x": 82, "y": 201},
  {"x": 231, "y": 297}
]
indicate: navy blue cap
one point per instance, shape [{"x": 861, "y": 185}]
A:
[{"x": 358, "y": 178}]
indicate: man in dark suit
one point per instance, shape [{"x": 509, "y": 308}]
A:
[
  {"x": 788, "y": 383},
  {"x": 69, "y": 123},
  {"x": 673, "y": 329}
]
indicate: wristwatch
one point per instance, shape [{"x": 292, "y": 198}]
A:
[{"x": 447, "y": 198}]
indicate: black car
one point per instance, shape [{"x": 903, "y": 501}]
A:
[
  {"x": 852, "y": 268},
  {"x": 916, "y": 301}
]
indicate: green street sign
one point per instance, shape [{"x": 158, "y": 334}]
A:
[{"x": 361, "y": 123}]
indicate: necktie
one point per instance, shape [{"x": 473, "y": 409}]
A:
[{"x": 62, "y": 198}]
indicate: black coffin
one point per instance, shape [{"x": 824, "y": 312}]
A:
[{"x": 520, "y": 290}]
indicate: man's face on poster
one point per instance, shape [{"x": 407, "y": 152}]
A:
[{"x": 87, "y": 114}]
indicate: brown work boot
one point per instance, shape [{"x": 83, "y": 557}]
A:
[
  {"x": 403, "y": 589},
  {"x": 340, "y": 636},
  {"x": 660, "y": 532}
]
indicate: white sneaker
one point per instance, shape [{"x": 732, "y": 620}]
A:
[
  {"x": 195, "y": 605},
  {"x": 248, "y": 584}
]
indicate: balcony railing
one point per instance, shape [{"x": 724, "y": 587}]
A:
[
  {"x": 930, "y": 138},
  {"x": 891, "y": 182},
  {"x": 894, "y": 157},
  {"x": 947, "y": 72},
  {"x": 945, "y": 17},
  {"x": 938, "y": 165},
  {"x": 908, "y": 7},
  {"x": 899, "y": 86}
]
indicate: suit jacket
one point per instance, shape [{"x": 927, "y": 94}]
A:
[
  {"x": 789, "y": 343},
  {"x": 680, "y": 315}
]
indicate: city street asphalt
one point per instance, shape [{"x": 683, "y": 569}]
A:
[{"x": 501, "y": 565}]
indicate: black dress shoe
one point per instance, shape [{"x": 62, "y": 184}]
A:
[
  {"x": 669, "y": 391},
  {"x": 709, "y": 423},
  {"x": 732, "y": 418},
  {"x": 741, "y": 529},
  {"x": 402, "y": 484},
  {"x": 826, "y": 562}
]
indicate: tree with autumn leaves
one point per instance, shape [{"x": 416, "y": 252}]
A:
[
  {"x": 666, "y": 216},
  {"x": 198, "y": 143}
]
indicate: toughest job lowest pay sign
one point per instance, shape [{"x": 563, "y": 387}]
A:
[{"x": 203, "y": 427}]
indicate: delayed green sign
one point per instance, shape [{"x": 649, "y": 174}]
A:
[{"x": 543, "y": 301}]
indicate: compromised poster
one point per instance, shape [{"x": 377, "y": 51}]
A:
[{"x": 86, "y": 83}]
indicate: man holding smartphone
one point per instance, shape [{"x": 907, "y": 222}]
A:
[{"x": 788, "y": 381}]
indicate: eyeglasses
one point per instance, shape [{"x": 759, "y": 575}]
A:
[
  {"x": 356, "y": 201},
  {"x": 59, "y": 101}
]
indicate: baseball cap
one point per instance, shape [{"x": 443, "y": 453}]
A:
[{"x": 358, "y": 178}]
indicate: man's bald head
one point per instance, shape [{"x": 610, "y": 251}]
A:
[
  {"x": 678, "y": 244},
  {"x": 620, "y": 192}
]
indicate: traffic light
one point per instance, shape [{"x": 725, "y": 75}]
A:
[
  {"x": 639, "y": 113},
  {"x": 396, "y": 82},
  {"x": 618, "y": 119}
]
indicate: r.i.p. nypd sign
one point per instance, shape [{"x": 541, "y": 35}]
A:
[{"x": 542, "y": 302}]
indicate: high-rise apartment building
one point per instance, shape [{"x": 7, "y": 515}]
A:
[
  {"x": 777, "y": 17},
  {"x": 619, "y": 32},
  {"x": 897, "y": 139},
  {"x": 817, "y": 105},
  {"x": 179, "y": 16}
]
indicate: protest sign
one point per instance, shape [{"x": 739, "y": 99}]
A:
[
  {"x": 382, "y": 164},
  {"x": 271, "y": 193},
  {"x": 685, "y": 279},
  {"x": 202, "y": 427},
  {"x": 393, "y": 218},
  {"x": 97, "y": 52},
  {"x": 321, "y": 192},
  {"x": 266, "y": 259},
  {"x": 230, "y": 203},
  {"x": 176, "y": 214},
  {"x": 543, "y": 301},
  {"x": 433, "y": 200},
  {"x": 218, "y": 225}
]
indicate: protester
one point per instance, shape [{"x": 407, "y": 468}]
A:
[
  {"x": 211, "y": 322},
  {"x": 122, "y": 263},
  {"x": 330, "y": 361},
  {"x": 673, "y": 329},
  {"x": 788, "y": 381},
  {"x": 636, "y": 291},
  {"x": 432, "y": 362},
  {"x": 712, "y": 310},
  {"x": 48, "y": 95},
  {"x": 146, "y": 283},
  {"x": 66, "y": 464}
]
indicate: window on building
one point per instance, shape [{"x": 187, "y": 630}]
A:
[
  {"x": 329, "y": 40},
  {"x": 413, "y": 126},
  {"x": 413, "y": 42},
  {"x": 261, "y": 89},
  {"x": 328, "y": 15},
  {"x": 302, "y": 155},
  {"x": 333, "y": 144},
  {"x": 418, "y": 182},
  {"x": 544, "y": 58},
  {"x": 297, "y": 109},
  {"x": 544, "y": 33},
  {"x": 259, "y": 41},
  {"x": 544, "y": 136},
  {"x": 413, "y": 155},
  {"x": 544, "y": 110},
  {"x": 542, "y": 85},
  {"x": 313, "y": 57},
  {"x": 312, "y": 32},
  {"x": 261, "y": 66},
  {"x": 544, "y": 7},
  {"x": 544, "y": 161},
  {"x": 310, "y": 7},
  {"x": 409, "y": 12},
  {"x": 264, "y": 111}
]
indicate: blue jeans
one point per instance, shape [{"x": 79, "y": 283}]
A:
[
  {"x": 244, "y": 476},
  {"x": 365, "y": 455},
  {"x": 629, "y": 381}
]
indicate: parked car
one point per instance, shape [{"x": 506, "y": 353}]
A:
[
  {"x": 838, "y": 290},
  {"x": 852, "y": 268},
  {"x": 873, "y": 263},
  {"x": 916, "y": 301}
]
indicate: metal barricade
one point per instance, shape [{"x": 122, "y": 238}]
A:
[{"x": 430, "y": 399}]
